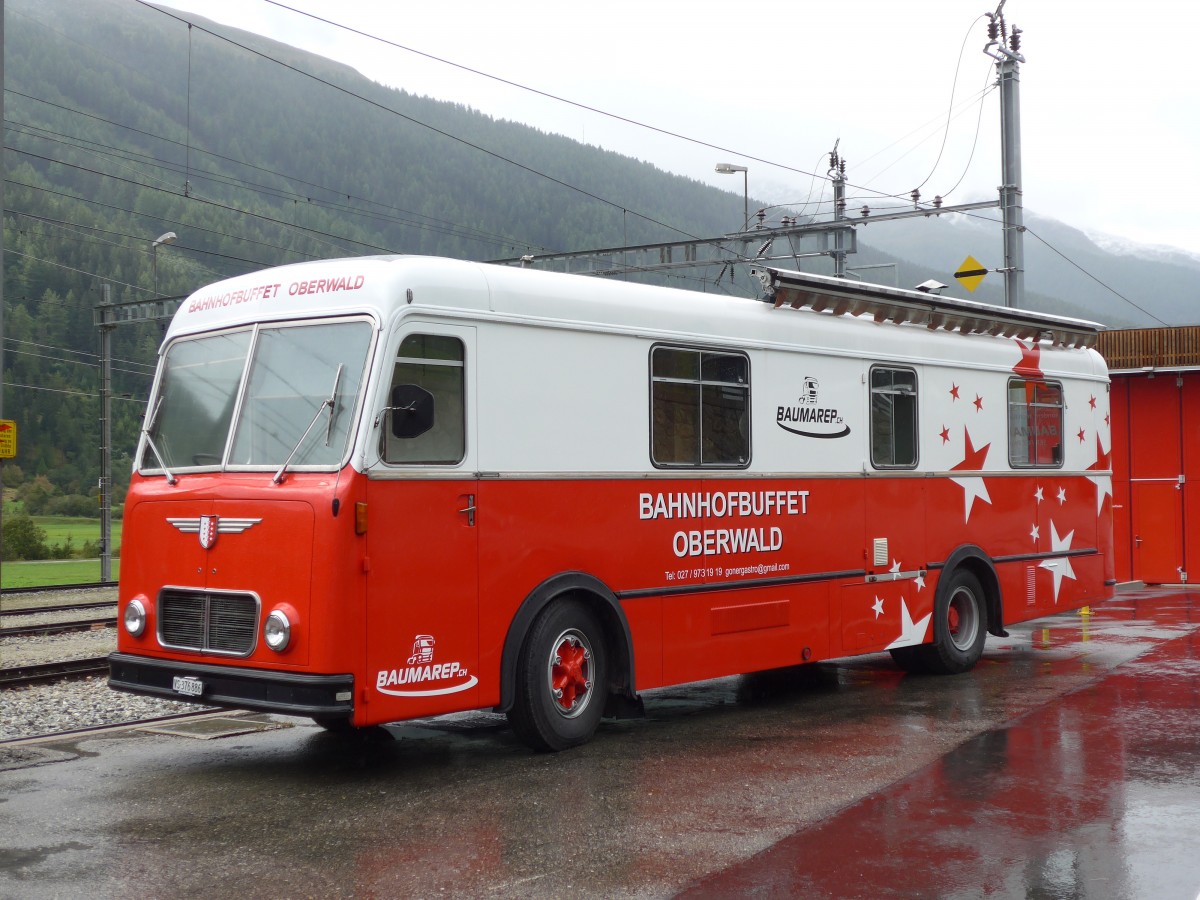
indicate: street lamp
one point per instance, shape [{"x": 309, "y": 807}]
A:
[
  {"x": 731, "y": 169},
  {"x": 168, "y": 238}
]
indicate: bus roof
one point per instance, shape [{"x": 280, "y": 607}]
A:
[{"x": 381, "y": 286}]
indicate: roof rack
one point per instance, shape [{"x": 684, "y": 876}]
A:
[{"x": 839, "y": 297}]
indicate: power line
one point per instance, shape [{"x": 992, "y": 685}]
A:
[
  {"x": 492, "y": 153},
  {"x": 382, "y": 213}
]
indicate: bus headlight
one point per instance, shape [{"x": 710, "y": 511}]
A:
[
  {"x": 277, "y": 631},
  {"x": 135, "y": 618}
]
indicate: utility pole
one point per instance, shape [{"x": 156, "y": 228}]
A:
[
  {"x": 106, "y": 329},
  {"x": 1005, "y": 49},
  {"x": 837, "y": 175}
]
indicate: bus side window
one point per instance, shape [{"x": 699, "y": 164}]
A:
[
  {"x": 428, "y": 365},
  {"x": 1035, "y": 423},
  {"x": 893, "y": 418},
  {"x": 699, "y": 408}
]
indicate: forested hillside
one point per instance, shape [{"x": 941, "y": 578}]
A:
[{"x": 123, "y": 125}]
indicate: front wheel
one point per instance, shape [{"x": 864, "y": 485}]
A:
[
  {"x": 560, "y": 678},
  {"x": 959, "y": 627}
]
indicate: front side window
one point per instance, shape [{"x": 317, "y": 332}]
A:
[
  {"x": 426, "y": 412},
  {"x": 258, "y": 397},
  {"x": 700, "y": 408},
  {"x": 1035, "y": 423},
  {"x": 893, "y": 418}
]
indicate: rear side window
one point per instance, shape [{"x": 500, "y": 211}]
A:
[
  {"x": 893, "y": 418},
  {"x": 1035, "y": 423},
  {"x": 700, "y": 408}
]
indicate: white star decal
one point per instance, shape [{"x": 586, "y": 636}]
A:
[
  {"x": 1035, "y": 533},
  {"x": 1062, "y": 496},
  {"x": 878, "y": 607},
  {"x": 1103, "y": 485},
  {"x": 1038, "y": 495},
  {"x": 920, "y": 580},
  {"x": 1060, "y": 568},
  {"x": 895, "y": 569},
  {"x": 911, "y": 633},
  {"x": 973, "y": 487}
]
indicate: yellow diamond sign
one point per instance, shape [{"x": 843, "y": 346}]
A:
[
  {"x": 970, "y": 273},
  {"x": 8, "y": 438}
]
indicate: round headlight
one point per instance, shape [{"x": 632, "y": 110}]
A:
[
  {"x": 135, "y": 618},
  {"x": 277, "y": 631}
]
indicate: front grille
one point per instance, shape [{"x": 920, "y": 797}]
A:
[{"x": 208, "y": 621}]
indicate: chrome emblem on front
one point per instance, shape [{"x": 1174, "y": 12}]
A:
[
  {"x": 208, "y": 527},
  {"x": 208, "y": 531}
]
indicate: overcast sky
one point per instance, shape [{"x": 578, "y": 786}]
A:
[{"x": 1110, "y": 115}]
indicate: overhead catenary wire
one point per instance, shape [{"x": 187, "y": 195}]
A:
[
  {"x": 381, "y": 106},
  {"x": 266, "y": 56},
  {"x": 390, "y": 209}
]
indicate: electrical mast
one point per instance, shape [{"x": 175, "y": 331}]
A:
[{"x": 1005, "y": 49}]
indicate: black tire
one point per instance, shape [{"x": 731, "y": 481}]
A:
[
  {"x": 959, "y": 626},
  {"x": 561, "y": 678}
]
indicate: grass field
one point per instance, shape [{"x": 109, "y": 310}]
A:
[
  {"x": 47, "y": 573},
  {"x": 68, "y": 571},
  {"x": 79, "y": 530}
]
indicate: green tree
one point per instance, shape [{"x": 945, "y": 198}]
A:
[{"x": 23, "y": 539}]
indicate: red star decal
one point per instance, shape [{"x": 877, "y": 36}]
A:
[
  {"x": 973, "y": 459},
  {"x": 1031, "y": 360},
  {"x": 945, "y": 435},
  {"x": 1081, "y": 433},
  {"x": 1092, "y": 401},
  {"x": 978, "y": 403},
  {"x": 954, "y": 391},
  {"x": 1107, "y": 420}
]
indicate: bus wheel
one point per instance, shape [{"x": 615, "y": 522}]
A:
[
  {"x": 560, "y": 678},
  {"x": 959, "y": 627}
]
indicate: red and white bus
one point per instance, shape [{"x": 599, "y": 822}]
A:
[{"x": 375, "y": 489}]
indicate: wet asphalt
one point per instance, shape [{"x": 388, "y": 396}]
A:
[{"x": 1067, "y": 764}]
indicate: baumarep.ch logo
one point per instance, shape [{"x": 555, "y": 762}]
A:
[{"x": 808, "y": 418}]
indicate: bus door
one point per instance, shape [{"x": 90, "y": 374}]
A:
[{"x": 422, "y": 535}]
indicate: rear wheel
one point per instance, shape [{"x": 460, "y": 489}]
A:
[
  {"x": 959, "y": 626},
  {"x": 560, "y": 678}
]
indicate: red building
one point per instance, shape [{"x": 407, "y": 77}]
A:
[{"x": 1155, "y": 406}]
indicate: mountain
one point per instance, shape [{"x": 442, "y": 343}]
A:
[
  {"x": 123, "y": 124},
  {"x": 1067, "y": 271}
]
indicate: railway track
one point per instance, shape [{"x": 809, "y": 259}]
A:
[
  {"x": 69, "y": 733},
  {"x": 46, "y": 628},
  {"x": 17, "y": 676},
  {"x": 47, "y": 588},
  {"x": 61, "y": 607}
]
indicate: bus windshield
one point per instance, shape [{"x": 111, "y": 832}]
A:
[{"x": 250, "y": 399}]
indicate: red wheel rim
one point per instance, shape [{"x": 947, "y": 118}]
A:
[{"x": 570, "y": 673}]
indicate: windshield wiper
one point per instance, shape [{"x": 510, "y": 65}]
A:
[
  {"x": 171, "y": 479},
  {"x": 331, "y": 403},
  {"x": 337, "y": 380}
]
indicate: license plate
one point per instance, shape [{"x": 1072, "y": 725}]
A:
[{"x": 193, "y": 687}]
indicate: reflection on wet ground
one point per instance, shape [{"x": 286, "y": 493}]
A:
[{"x": 1096, "y": 795}]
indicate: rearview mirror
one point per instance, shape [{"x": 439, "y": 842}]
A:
[{"x": 412, "y": 410}]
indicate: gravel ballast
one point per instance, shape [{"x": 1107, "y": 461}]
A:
[{"x": 51, "y": 707}]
